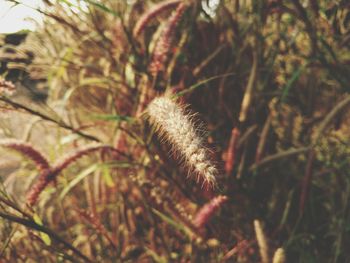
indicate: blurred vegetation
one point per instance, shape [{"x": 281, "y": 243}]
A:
[{"x": 270, "y": 81}]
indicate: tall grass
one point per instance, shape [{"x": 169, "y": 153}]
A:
[{"x": 268, "y": 82}]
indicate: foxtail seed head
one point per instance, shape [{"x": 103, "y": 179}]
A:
[
  {"x": 27, "y": 150},
  {"x": 150, "y": 14},
  {"x": 166, "y": 40},
  {"x": 208, "y": 210},
  {"x": 176, "y": 126}
]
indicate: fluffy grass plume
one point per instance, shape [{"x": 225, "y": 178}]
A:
[
  {"x": 208, "y": 210},
  {"x": 176, "y": 126}
]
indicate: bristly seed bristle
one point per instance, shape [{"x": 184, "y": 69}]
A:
[{"x": 173, "y": 124}]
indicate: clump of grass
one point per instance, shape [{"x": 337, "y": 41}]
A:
[{"x": 276, "y": 71}]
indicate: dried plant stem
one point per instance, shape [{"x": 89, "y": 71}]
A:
[
  {"x": 249, "y": 90},
  {"x": 242, "y": 162},
  {"x": 96, "y": 223},
  {"x": 232, "y": 150},
  {"x": 306, "y": 181},
  {"x": 262, "y": 141},
  {"x": 197, "y": 70},
  {"x": 246, "y": 135},
  {"x": 330, "y": 117},
  {"x": 277, "y": 156},
  {"x": 279, "y": 256},
  {"x": 262, "y": 242},
  {"x": 173, "y": 124},
  {"x": 146, "y": 95}
]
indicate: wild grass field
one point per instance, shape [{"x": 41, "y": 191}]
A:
[{"x": 178, "y": 131}]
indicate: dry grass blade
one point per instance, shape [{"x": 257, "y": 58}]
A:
[
  {"x": 262, "y": 242},
  {"x": 249, "y": 90}
]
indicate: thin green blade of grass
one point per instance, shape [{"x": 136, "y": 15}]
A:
[
  {"x": 7, "y": 242},
  {"x": 106, "y": 174},
  {"x": 114, "y": 117},
  {"x": 291, "y": 81},
  {"x": 102, "y": 7},
  {"x": 171, "y": 222},
  {"x": 44, "y": 237},
  {"x": 201, "y": 83},
  {"x": 118, "y": 164},
  {"x": 78, "y": 179}
]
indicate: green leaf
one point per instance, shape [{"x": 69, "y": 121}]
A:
[
  {"x": 77, "y": 179},
  {"x": 115, "y": 117},
  {"x": 45, "y": 237},
  {"x": 107, "y": 176},
  {"x": 102, "y": 7},
  {"x": 171, "y": 222},
  {"x": 291, "y": 81},
  {"x": 199, "y": 84},
  {"x": 119, "y": 164}
]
